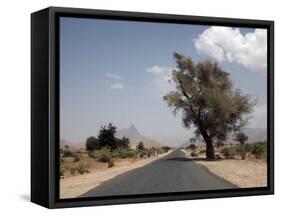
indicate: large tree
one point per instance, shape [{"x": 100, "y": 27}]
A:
[{"x": 205, "y": 95}]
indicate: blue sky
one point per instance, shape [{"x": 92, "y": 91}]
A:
[{"x": 115, "y": 71}]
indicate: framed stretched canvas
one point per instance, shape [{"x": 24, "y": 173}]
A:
[{"x": 139, "y": 107}]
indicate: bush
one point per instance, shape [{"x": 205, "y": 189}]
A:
[
  {"x": 123, "y": 153},
  {"x": 73, "y": 171},
  {"x": 81, "y": 169},
  {"x": 76, "y": 157},
  {"x": 193, "y": 154},
  {"x": 110, "y": 163},
  {"x": 166, "y": 148},
  {"x": 67, "y": 153},
  {"x": 103, "y": 155},
  {"x": 229, "y": 153},
  {"x": 259, "y": 150},
  {"x": 63, "y": 167}
]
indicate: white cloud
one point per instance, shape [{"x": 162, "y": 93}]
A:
[
  {"x": 162, "y": 75},
  {"x": 117, "y": 86},
  {"x": 113, "y": 76},
  {"x": 228, "y": 44}
]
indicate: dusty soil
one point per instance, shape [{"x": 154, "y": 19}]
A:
[
  {"x": 243, "y": 173},
  {"x": 73, "y": 186}
]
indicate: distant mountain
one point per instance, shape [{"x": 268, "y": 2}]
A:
[
  {"x": 172, "y": 141},
  {"x": 135, "y": 137},
  {"x": 256, "y": 134},
  {"x": 71, "y": 145}
]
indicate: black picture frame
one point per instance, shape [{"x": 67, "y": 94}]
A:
[{"x": 45, "y": 106}]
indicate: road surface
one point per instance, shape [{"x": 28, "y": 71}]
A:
[{"x": 172, "y": 173}]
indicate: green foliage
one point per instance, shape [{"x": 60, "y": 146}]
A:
[
  {"x": 92, "y": 144},
  {"x": 241, "y": 137},
  {"x": 205, "y": 95},
  {"x": 103, "y": 155},
  {"x": 110, "y": 163},
  {"x": 123, "y": 153},
  {"x": 166, "y": 148},
  {"x": 82, "y": 168},
  {"x": 192, "y": 147},
  {"x": 123, "y": 143},
  {"x": 259, "y": 150},
  {"x": 67, "y": 153},
  {"x": 106, "y": 137},
  {"x": 76, "y": 157},
  {"x": 63, "y": 167},
  {"x": 140, "y": 146},
  {"x": 229, "y": 152}
]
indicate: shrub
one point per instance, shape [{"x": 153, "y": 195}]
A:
[
  {"x": 193, "y": 154},
  {"x": 229, "y": 153},
  {"x": 140, "y": 146},
  {"x": 259, "y": 150},
  {"x": 76, "y": 157},
  {"x": 67, "y": 153},
  {"x": 166, "y": 148},
  {"x": 81, "y": 169},
  {"x": 110, "y": 163},
  {"x": 160, "y": 150},
  {"x": 73, "y": 171},
  {"x": 92, "y": 144},
  {"x": 123, "y": 153},
  {"x": 63, "y": 167},
  {"x": 103, "y": 155}
]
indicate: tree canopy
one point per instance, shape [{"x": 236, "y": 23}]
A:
[{"x": 208, "y": 101}]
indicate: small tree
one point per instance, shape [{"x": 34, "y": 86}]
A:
[
  {"x": 123, "y": 143},
  {"x": 92, "y": 144},
  {"x": 106, "y": 137},
  {"x": 205, "y": 95},
  {"x": 242, "y": 139},
  {"x": 140, "y": 146}
]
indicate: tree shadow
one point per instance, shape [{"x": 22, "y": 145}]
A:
[{"x": 192, "y": 159}]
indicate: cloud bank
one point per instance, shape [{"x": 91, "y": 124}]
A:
[
  {"x": 162, "y": 75},
  {"x": 230, "y": 45}
]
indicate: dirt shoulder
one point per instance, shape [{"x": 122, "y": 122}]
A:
[
  {"x": 76, "y": 185},
  {"x": 243, "y": 173}
]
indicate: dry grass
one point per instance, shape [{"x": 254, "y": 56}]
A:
[
  {"x": 243, "y": 173},
  {"x": 73, "y": 186}
]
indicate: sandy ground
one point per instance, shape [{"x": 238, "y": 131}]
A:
[
  {"x": 74, "y": 186},
  {"x": 243, "y": 173}
]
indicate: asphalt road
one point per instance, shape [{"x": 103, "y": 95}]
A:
[{"x": 172, "y": 173}]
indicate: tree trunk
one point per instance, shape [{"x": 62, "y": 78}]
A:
[{"x": 210, "y": 152}]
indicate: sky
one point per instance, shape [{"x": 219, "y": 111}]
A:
[{"x": 117, "y": 71}]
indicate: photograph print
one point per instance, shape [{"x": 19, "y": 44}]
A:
[{"x": 151, "y": 108}]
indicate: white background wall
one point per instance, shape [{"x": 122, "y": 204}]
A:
[{"x": 15, "y": 106}]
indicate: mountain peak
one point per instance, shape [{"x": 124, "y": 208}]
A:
[{"x": 133, "y": 127}]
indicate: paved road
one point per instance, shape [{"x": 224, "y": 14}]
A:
[{"x": 172, "y": 173}]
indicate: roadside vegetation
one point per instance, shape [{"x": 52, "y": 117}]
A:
[
  {"x": 106, "y": 148},
  {"x": 245, "y": 151}
]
